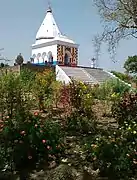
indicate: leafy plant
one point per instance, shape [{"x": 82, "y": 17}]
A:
[
  {"x": 31, "y": 140},
  {"x": 13, "y": 95},
  {"x": 81, "y": 118},
  {"x": 78, "y": 123},
  {"x": 27, "y": 77},
  {"x": 80, "y": 97},
  {"x": 125, "y": 109},
  {"x": 57, "y": 87},
  {"x": 113, "y": 86},
  {"x": 42, "y": 89},
  {"x": 19, "y": 60},
  {"x": 114, "y": 154},
  {"x": 25, "y": 139},
  {"x": 124, "y": 77},
  {"x": 130, "y": 64}
]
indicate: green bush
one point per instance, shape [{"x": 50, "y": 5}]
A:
[
  {"x": 78, "y": 123},
  {"x": 124, "y": 77},
  {"x": 81, "y": 98},
  {"x": 125, "y": 109},
  {"x": 110, "y": 87},
  {"x": 25, "y": 139},
  {"x": 43, "y": 89},
  {"x": 14, "y": 96},
  {"x": 29, "y": 140},
  {"x": 81, "y": 118},
  {"x": 27, "y": 78},
  {"x": 115, "y": 154}
]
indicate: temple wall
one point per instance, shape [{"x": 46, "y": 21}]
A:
[
  {"x": 73, "y": 54},
  {"x": 38, "y": 53}
]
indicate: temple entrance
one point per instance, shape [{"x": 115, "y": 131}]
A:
[
  {"x": 67, "y": 58},
  {"x": 50, "y": 57}
]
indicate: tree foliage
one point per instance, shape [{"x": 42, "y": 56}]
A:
[
  {"x": 120, "y": 21},
  {"x": 19, "y": 60},
  {"x": 131, "y": 64},
  {"x": 2, "y": 65}
]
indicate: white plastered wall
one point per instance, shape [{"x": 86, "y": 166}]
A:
[
  {"x": 61, "y": 75},
  {"x": 46, "y": 49}
]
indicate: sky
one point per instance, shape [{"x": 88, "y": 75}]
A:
[{"x": 79, "y": 20}]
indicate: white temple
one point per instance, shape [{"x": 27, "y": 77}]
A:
[{"x": 53, "y": 47}]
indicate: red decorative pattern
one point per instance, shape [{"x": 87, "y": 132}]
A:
[{"x": 61, "y": 50}]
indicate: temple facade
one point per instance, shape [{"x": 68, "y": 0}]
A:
[{"x": 51, "y": 46}]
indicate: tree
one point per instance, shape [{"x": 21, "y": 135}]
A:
[
  {"x": 120, "y": 22},
  {"x": 19, "y": 60},
  {"x": 131, "y": 64},
  {"x": 2, "y": 65}
]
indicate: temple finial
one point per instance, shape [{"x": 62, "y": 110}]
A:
[{"x": 49, "y": 7}]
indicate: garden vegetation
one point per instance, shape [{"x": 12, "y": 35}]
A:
[{"x": 44, "y": 124}]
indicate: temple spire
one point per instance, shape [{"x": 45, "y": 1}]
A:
[
  {"x": 48, "y": 28},
  {"x": 49, "y": 7}
]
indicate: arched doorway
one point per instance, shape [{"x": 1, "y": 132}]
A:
[
  {"x": 33, "y": 58},
  {"x": 44, "y": 56},
  {"x": 67, "y": 58},
  {"x": 38, "y": 57},
  {"x": 50, "y": 57}
]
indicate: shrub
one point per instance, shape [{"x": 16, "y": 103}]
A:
[
  {"x": 14, "y": 97},
  {"x": 124, "y": 77},
  {"x": 14, "y": 102},
  {"x": 57, "y": 87},
  {"x": 65, "y": 97},
  {"x": 115, "y": 154},
  {"x": 109, "y": 92},
  {"x": 27, "y": 77},
  {"x": 79, "y": 125},
  {"x": 81, "y": 98},
  {"x": 77, "y": 96},
  {"x": 29, "y": 140},
  {"x": 81, "y": 118},
  {"x": 107, "y": 89},
  {"x": 25, "y": 139},
  {"x": 42, "y": 89},
  {"x": 125, "y": 110}
]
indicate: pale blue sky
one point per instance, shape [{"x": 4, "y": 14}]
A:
[{"x": 20, "y": 20}]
